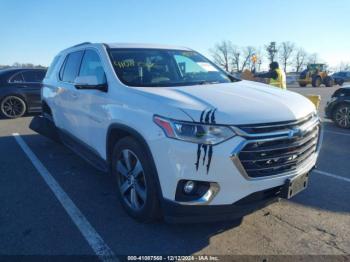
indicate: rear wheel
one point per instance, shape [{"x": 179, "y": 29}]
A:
[
  {"x": 316, "y": 81},
  {"x": 328, "y": 81},
  {"x": 341, "y": 116},
  {"x": 137, "y": 188},
  {"x": 302, "y": 84},
  {"x": 13, "y": 107}
]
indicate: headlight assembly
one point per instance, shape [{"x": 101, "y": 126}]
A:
[{"x": 198, "y": 133}]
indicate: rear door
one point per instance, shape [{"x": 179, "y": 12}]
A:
[
  {"x": 32, "y": 87},
  {"x": 66, "y": 98}
]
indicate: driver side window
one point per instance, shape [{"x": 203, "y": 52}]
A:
[{"x": 92, "y": 66}]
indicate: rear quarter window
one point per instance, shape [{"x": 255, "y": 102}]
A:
[
  {"x": 52, "y": 67},
  {"x": 70, "y": 68}
]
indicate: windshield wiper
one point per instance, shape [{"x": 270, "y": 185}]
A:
[{"x": 208, "y": 82}]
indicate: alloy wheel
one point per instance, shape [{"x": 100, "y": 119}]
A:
[
  {"x": 342, "y": 116},
  {"x": 131, "y": 180},
  {"x": 13, "y": 107}
]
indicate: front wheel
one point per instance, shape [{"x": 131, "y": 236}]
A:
[
  {"x": 12, "y": 107},
  {"x": 137, "y": 188},
  {"x": 316, "y": 82},
  {"x": 341, "y": 116}
]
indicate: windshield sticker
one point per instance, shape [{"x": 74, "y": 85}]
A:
[
  {"x": 207, "y": 67},
  {"x": 131, "y": 63},
  {"x": 124, "y": 63},
  {"x": 207, "y": 117}
]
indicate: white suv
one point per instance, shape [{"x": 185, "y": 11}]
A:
[{"x": 184, "y": 139}]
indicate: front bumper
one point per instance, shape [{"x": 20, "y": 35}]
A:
[
  {"x": 176, "y": 160},
  {"x": 177, "y": 213}
]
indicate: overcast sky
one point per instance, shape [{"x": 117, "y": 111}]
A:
[{"x": 35, "y": 30}]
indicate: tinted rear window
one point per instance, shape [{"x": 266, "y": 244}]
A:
[
  {"x": 71, "y": 66},
  {"x": 52, "y": 67}
]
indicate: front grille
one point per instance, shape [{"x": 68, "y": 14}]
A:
[{"x": 285, "y": 152}]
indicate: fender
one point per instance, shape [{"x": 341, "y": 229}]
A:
[{"x": 123, "y": 131}]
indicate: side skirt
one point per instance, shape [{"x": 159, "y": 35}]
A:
[
  {"x": 84, "y": 151},
  {"x": 46, "y": 127}
]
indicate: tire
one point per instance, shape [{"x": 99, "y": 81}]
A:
[
  {"x": 302, "y": 84},
  {"x": 137, "y": 191},
  {"x": 316, "y": 81},
  {"x": 329, "y": 81},
  {"x": 340, "y": 82},
  {"x": 12, "y": 107},
  {"x": 341, "y": 116}
]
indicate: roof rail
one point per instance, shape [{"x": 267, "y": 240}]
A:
[{"x": 84, "y": 43}]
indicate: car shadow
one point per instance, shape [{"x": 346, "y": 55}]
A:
[
  {"x": 26, "y": 115},
  {"x": 93, "y": 192}
]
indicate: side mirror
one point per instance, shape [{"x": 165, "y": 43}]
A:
[{"x": 90, "y": 83}]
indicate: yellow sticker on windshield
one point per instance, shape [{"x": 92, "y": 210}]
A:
[{"x": 125, "y": 63}]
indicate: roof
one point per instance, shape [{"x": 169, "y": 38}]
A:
[
  {"x": 131, "y": 45},
  {"x": 147, "y": 46},
  {"x": 17, "y": 69}
]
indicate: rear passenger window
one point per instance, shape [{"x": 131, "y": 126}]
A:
[
  {"x": 92, "y": 66},
  {"x": 40, "y": 75},
  {"x": 17, "y": 78},
  {"x": 71, "y": 66},
  {"x": 30, "y": 77}
]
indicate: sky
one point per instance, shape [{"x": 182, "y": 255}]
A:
[{"x": 34, "y": 31}]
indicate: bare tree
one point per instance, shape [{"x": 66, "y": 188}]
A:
[
  {"x": 248, "y": 52},
  {"x": 300, "y": 59},
  {"x": 343, "y": 66},
  {"x": 286, "y": 51},
  {"x": 222, "y": 54},
  {"x": 236, "y": 58},
  {"x": 271, "y": 50},
  {"x": 313, "y": 58}
]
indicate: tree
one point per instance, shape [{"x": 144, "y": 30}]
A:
[
  {"x": 271, "y": 50},
  {"x": 313, "y": 58},
  {"x": 300, "y": 59},
  {"x": 343, "y": 66},
  {"x": 286, "y": 51},
  {"x": 248, "y": 52},
  {"x": 236, "y": 58},
  {"x": 222, "y": 54}
]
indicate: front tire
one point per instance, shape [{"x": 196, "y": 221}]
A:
[
  {"x": 137, "y": 187},
  {"x": 316, "y": 81},
  {"x": 12, "y": 107},
  {"x": 341, "y": 116}
]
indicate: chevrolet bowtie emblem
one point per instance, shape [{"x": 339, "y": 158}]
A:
[{"x": 294, "y": 132}]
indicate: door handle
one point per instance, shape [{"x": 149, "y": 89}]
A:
[{"x": 74, "y": 96}]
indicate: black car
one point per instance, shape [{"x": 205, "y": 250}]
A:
[
  {"x": 341, "y": 77},
  {"x": 20, "y": 91},
  {"x": 338, "y": 108}
]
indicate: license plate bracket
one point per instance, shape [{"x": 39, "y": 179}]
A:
[{"x": 294, "y": 186}]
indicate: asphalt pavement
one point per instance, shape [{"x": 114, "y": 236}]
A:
[{"x": 81, "y": 211}]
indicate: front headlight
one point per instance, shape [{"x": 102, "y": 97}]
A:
[
  {"x": 198, "y": 133},
  {"x": 332, "y": 99}
]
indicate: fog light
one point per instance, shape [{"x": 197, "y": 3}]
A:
[{"x": 188, "y": 187}]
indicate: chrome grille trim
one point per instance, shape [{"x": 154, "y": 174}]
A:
[{"x": 294, "y": 152}]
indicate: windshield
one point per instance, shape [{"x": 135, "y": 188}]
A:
[{"x": 159, "y": 67}]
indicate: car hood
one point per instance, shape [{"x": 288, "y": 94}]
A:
[{"x": 242, "y": 102}]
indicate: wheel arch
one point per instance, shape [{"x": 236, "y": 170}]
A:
[{"x": 118, "y": 131}]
